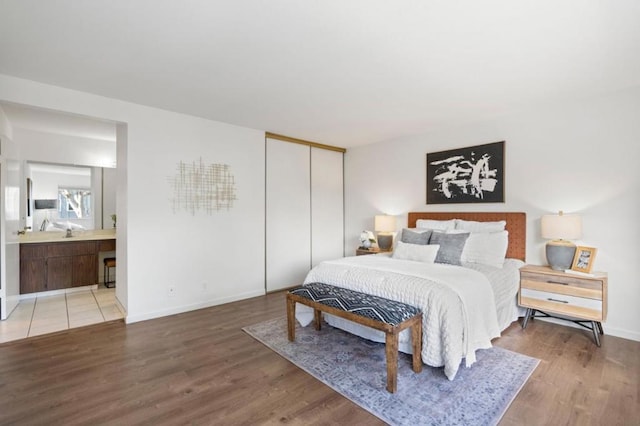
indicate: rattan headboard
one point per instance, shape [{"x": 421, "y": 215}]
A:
[{"x": 516, "y": 225}]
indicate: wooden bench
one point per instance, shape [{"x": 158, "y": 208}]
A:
[{"x": 372, "y": 311}]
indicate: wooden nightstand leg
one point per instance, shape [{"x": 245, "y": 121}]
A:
[
  {"x": 596, "y": 334},
  {"x": 526, "y": 318}
]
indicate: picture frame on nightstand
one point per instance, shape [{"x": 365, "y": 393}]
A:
[{"x": 583, "y": 259}]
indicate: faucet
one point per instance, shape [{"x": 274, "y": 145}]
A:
[{"x": 69, "y": 233}]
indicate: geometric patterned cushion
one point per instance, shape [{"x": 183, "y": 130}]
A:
[{"x": 365, "y": 305}]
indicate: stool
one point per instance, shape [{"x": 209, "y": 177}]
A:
[{"x": 109, "y": 262}]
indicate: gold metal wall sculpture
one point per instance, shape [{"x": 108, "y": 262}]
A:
[{"x": 202, "y": 187}]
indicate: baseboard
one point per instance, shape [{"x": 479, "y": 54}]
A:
[
  {"x": 191, "y": 307},
  {"x": 621, "y": 332},
  {"x": 608, "y": 330},
  {"x": 58, "y": 292},
  {"x": 121, "y": 307}
]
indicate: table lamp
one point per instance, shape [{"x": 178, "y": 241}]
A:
[
  {"x": 560, "y": 229},
  {"x": 385, "y": 226}
]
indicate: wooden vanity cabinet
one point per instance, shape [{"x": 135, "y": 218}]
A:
[
  {"x": 33, "y": 268},
  {"x": 59, "y": 270},
  {"x": 58, "y": 265}
]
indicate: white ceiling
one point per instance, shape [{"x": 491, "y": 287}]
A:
[{"x": 341, "y": 72}]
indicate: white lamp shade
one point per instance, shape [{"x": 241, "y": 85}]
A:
[
  {"x": 385, "y": 223},
  {"x": 561, "y": 226}
]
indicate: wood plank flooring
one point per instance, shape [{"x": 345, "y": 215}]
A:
[{"x": 200, "y": 368}]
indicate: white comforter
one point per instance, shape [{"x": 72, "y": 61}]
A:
[{"x": 459, "y": 313}]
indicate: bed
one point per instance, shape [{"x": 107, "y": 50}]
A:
[{"x": 464, "y": 306}]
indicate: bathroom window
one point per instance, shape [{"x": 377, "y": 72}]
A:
[{"x": 74, "y": 203}]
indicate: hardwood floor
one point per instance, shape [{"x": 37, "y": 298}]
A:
[{"x": 200, "y": 368}]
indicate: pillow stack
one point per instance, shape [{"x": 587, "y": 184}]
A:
[{"x": 454, "y": 241}]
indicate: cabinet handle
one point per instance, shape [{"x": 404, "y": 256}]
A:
[
  {"x": 556, "y": 300},
  {"x": 556, "y": 282}
]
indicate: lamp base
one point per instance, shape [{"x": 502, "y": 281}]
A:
[
  {"x": 560, "y": 254},
  {"x": 385, "y": 242}
]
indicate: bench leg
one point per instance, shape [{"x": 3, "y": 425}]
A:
[
  {"x": 416, "y": 340},
  {"x": 317, "y": 316},
  {"x": 391, "y": 348},
  {"x": 291, "y": 319}
]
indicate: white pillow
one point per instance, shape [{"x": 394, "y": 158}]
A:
[
  {"x": 473, "y": 226},
  {"x": 417, "y": 252},
  {"x": 486, "y": 248},
  {"x": 439, "y": 225}
]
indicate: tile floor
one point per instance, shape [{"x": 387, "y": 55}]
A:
[{"x": 47, "y": 314}]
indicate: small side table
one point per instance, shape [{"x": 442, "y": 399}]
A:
[{"x": 547, "y": 292}]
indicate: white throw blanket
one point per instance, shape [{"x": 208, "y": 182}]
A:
[{"x": 459, "y": 313}]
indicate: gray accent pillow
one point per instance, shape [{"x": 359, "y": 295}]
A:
[
  {"x": 451, "y": 246},
  {"x": 413, "y": 237}
]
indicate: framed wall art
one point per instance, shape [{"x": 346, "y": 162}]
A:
[{"x": 466, "y": 175}]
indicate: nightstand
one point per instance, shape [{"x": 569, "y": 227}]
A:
[
  {"x": 582, "y": 298},
  {"x": 372, "y": 250}
]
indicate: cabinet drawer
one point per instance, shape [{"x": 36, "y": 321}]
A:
[
  {"x": 580, "y": 307},
  {"x": 562, "y": 299},
  {"x": 71, "y": 248},
  {"x": 106, "y": 245},
  {"x": 591, "y": 292},
  {"x": 562, "y": 280},
  {"x": 33, "y": 251}
]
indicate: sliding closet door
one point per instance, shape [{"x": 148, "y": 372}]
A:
[
  {"x": 327, "y": 205},
  {"x": 288, "y": 214}
]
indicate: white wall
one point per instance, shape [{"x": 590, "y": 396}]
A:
[
  {"x": 122, "y": 210},
  {"x": 64, "y": 149},
  {"x": 6, "y": 129},
  {"x": 109, "y": 184},
  {"x": 205, "y": 259},
  {"x": 9, "y": 219},
  {"x": 578, "y": 157}
]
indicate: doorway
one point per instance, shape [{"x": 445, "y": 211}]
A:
[{"x": 64, "y": 140}]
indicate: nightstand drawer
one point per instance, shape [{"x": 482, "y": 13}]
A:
[
  {"x": 563, "y": 280},
  {"x": 591, "y": 291},
  {"x": 563, "y": 299},
  {"x": 562, "y": 304}
]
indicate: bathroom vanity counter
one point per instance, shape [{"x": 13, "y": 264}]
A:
[
  {"x": 52, "y": 261},
  {"x": 60, "y": 236}
]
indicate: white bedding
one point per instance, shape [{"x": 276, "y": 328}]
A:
[
  {"x": 458, "y": 303},
  {"x": 505, "y": 284}
]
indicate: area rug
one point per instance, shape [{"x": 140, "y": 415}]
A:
[{"x": 356, "y": 368}]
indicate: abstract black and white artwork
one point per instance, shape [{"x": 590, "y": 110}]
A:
[{"x": 466, "y": 175}]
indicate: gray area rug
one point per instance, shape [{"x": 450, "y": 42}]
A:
[{"x": 356, "y": 368}]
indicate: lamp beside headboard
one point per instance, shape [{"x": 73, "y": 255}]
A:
[{"x": 516, "y": 226}]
